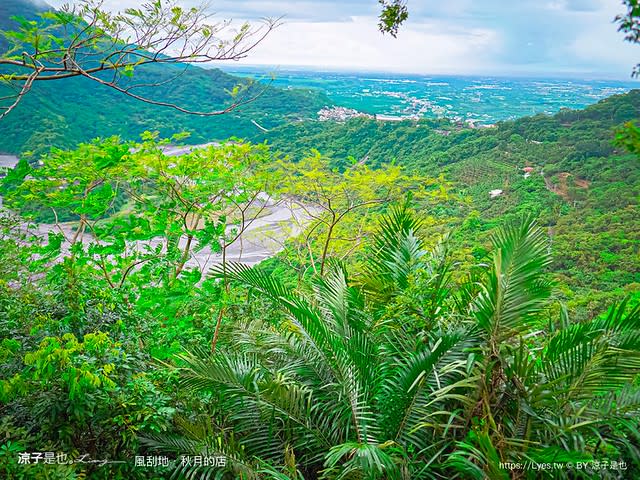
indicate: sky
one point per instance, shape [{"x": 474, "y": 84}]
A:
[{"x": 491, "y": 37}]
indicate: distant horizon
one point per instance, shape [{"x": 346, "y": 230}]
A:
[
  {"x": 483, "y": 99},
  {"x": 528, "y": 38},
  {"x": 229, "y": 67}
]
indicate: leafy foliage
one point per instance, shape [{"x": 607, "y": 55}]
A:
[
  {"x": 393, "y": 15},
  {"x": 346, "y": 388},
  {"x": 629, "y": 24},
  {"x": 580, "y": 185},
  {"x": 83, "y": 40},
  {"x": 379, "y": 343},
  {"x": 72, "y": 110}
]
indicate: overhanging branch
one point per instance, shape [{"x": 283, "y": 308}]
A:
[{"x": 86, "y": 41}]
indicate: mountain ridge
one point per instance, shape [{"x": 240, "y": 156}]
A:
[{"x": 66, "y": 112}]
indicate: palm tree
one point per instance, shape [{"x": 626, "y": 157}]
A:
[
  {"x": 402, "y": 374},
  {"x": 547, "y": 391}
]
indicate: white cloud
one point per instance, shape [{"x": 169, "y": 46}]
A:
[
  {"x": 358, "y": 45},
  {"x": 441, "y": 36}
]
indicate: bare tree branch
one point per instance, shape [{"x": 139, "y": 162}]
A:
[{"x": 83, "y": 40}]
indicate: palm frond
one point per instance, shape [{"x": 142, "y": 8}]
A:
[
  {"x": 396, "y": 254},
  {"x": 364, "y": 460},
  {"x": 477, "y": 458},
  {"x": 514, "y": 289},
  {"x": 595, "y": 357},
  {"x": 417, "y": 380}
]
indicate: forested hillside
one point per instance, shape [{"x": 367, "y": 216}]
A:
[
  {"x": 76, "y": 111},
  {"x": 565, "y": 169},
  {"x": 371, "y": 346},
  {"x": 311, "y": 300},
  {"x": 62, "y": 114}
]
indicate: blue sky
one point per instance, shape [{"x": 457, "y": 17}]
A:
[{"x": 496, "y": 37}]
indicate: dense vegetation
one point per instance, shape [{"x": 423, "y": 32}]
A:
[
  {"x": 404, "y": 360},
  {"x": 63, "y": 114},
  {"x": 415, "y": 328},
  {"x": 410, "y": 324},
  {"x": 582, "y": 186},
  {"x": 439, "y": 333}
]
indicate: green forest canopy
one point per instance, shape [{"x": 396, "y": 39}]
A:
[
  {"x": 67, "y": 111},
  {"x": 416, "y": 328}
]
